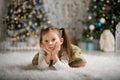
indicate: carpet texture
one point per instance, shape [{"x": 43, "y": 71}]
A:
[{"x": 17, "y": 65}]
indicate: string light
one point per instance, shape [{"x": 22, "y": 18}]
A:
[
  {"x": 23, "y": 18},
  {"x": 104, "y": 15}
]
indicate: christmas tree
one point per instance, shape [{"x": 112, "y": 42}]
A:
[
  {"x": 24, "y": 18},
  {"x": 102, "y": 14}
]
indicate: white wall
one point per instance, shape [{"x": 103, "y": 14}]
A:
[
  {"x": 2, "y": 18},
  {"x": 67, "y": 13},
  {"x": 62, "y": 13}
]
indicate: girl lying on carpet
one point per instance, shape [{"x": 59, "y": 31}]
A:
[{"x": 57, "y": 51}]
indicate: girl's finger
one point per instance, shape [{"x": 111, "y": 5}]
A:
[
  {"x": 45, "y": 48},
  {"x": 56, "y": 45},
  {"x": 56, "y": 48}
]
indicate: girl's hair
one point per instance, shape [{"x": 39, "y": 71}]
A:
[{"x": 62, "y": 32}]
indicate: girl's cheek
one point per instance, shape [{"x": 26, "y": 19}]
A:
[
  {"x": 57, "y": 41},
  {"x": 58, "y": 44}
]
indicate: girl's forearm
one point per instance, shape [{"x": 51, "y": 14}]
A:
[
  {"x": 55, "y": 58},
  {"x": 47, "y": 59}
]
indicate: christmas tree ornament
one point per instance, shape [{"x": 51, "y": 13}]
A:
[
  {"x": 107, "y": 1},
  {"x": 99, "y": 24},
  {"x": 27, "y": 34},
  {"x": 114, "y": 17},
  {"x": 11, "y": 11},
  {"x": 30, "y": 16},
  {"x": 48, "y": 21},
  {"x": 102, "y": 0},
  {"x": 91, "y": 38},
  {"x": 19, "y": 26},
  {"x": 91, "y": 27},
  {"x": 40, "y": 3},
  {"x": 89, "y": 17},
  {"x": 112, "y": 21},
  {"x": 30, "y": 23},
  {"x": 88, "y": 36},
  {"x": 103, "y": 8},
  {"x": 103, "y": 15},
  {"x": 94, "y": 0},
  {"x": 35, "y": 24},
  {"x": 102, "y": 20},
  {"x": 95, "y": 6},
  {"x": 19, "y": 10}
]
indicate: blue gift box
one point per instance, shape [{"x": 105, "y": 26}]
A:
[
  {"x": 87, "y": 45},
  {"x": 83, "y": 45},
  {"x": 90, "y": 46}
]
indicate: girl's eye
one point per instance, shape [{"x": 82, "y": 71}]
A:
[
  {"x": 53, "y": 39},
  {"x": 46, "y": 41}
]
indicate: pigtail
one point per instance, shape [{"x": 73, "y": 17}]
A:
[{"x": 67, "y": 43}]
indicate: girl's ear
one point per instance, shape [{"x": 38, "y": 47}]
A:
[{"x": 61, "y": 40}]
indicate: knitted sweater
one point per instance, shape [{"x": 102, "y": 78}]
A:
[{"x": 77, "y": 58}]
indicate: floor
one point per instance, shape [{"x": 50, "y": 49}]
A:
[{"x": 16, "y": 65}]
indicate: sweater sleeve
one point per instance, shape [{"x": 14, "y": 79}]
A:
[
  {"x": 62, "y": 63},
  {"x": 41, "y": 61}
]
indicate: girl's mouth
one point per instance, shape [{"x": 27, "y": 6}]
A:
[{"x": 51, "y": 48}]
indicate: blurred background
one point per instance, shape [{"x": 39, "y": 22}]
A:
[
  {"x": 85, "y": 21},
  {"x": 93, "y": 25}
]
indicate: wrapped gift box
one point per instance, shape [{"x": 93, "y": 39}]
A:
[{"x": 87, "y": 45}]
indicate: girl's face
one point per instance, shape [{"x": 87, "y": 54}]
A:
[{"x": 50, "y": 39}]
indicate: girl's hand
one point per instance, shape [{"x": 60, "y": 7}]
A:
[
  {"x": 56, "y": 48},
  {"x": 55, "y": 52},
  {"x": 49, "y": 53},
  {"x": 46, "y": 49}
]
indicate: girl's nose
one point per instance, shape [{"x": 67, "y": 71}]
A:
[{"x": 50, "y": 42}]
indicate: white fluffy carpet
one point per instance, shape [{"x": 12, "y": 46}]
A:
[{"x": 100, "y": 66}]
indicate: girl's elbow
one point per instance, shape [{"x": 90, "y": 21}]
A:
[{"x": 78, "y": 65}]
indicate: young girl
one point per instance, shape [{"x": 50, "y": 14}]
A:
[{"x": 57, "y": 51}]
